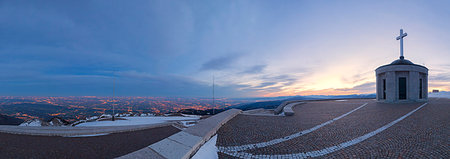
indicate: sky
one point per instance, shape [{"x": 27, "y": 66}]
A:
[{"x": 251, "y": 48}]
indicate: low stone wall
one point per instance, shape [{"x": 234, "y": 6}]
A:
[
  {"x": 184, "y": 144},
  {"x": 280, "y": 108},
  {"x": 288, "y": 110}
]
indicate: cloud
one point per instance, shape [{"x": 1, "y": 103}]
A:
[
  {"x": 285, "y": 79},
  {"x": 266, "y": 84},
  {"x": 364, "y": 88},
  {"x": 440, "y": 77},
  {"x": 368, "y": 87},
  {"x": 258, "y": 91},
  {"x": 138, "y": 83},
  {"x": 254, "y": 69},
  {"x": 277, "y": 77},
  {"x": 220, "y": 63},
  {"x": 358, "y": 77},
  {"x": 272, "y": 85}
]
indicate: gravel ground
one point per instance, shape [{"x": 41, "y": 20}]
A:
[{"x": 107, "y": 146}]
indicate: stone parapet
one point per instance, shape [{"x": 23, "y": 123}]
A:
[
  {"x": 288, "y": 110},
  {"x": 280, "y": 108},
  {"x": 184, "y": 144}
]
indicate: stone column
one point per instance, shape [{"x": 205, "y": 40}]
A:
[
  {"x": 378, "y": 85},
  {"x": 391, "y": 82},
  {"x": 413, "y": 92},
  {"x": 425, "y": 86}
]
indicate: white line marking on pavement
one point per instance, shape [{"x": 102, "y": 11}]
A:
[
  {"x": 286, "y": 138},
  {"x": 327, "y": 150}
]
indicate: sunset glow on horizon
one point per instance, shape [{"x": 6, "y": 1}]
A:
[{"x": 252, "y": 48}]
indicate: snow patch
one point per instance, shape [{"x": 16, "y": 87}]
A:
[
  {"x": 341, "y": 100},
  {"x": 188, "y": 123},
  {"x": 189, "y": 115},
  {"x": 34, "y": 122},
  {"x": 53, "y": 123},
  {"x": 92, "y": 118},
  {"x": 106, "y": 116},
  {"x": 442, "y": 94},
  {"x": 208, "y": 150}
]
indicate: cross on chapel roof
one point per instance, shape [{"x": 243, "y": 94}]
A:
[{"x": 400, "y": 37}]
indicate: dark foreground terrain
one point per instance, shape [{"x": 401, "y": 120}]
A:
[{"x": 107, "y": 146}]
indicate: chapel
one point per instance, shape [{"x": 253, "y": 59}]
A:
[{"x": 401, "y": 80}]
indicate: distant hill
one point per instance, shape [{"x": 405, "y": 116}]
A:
[
  {"x": 319, "y": 97},
  {"x": 7, "y": 120},
  {"x": 271, "y": 104},
  {"x": 247, "y": 106},
  {"x": 264, "y": 98},
  {"x": 276, "y": 103},
  {"x": 256, "y": 105}
]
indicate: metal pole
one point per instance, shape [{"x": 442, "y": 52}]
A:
[
  {"x": 213, "y": 96},
  {"x": 114, "y": 102}
]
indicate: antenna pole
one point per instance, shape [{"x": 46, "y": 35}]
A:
[
  {"x": 213, "y": 96},
  {"x": 114, "y": 102}
]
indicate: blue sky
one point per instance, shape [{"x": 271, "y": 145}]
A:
[{"x": 253, "y": 48}]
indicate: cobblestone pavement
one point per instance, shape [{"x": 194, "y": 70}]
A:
[
  {"x": 424, "y": 134},
  {"x": 252, "y": 129}
]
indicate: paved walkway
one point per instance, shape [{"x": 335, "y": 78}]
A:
[
  {"x": 342, "y": 129},
  {"x": 107, "y": 146}
]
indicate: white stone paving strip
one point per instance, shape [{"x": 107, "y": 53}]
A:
[
  {"x": 286, "y": 138},
  {"x": 328, "y": 149}
]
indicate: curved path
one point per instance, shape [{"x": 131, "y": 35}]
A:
[
  {"x": 286, "y": 138},
  {"x": 246, "y": 129}
]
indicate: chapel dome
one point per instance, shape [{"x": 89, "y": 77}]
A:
[{"x": 402, "y": 61}]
